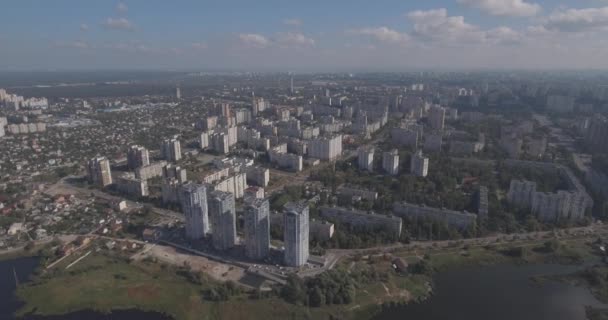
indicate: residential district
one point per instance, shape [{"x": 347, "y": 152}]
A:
[{"x": 271, "y": 176}]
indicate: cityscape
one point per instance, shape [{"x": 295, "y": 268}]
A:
[{"x": 261, "y": 190}]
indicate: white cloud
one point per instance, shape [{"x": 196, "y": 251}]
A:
[
  {"x": 199, "y": 45},
  {"x": 437, "y": 26},
  {"x": 139, "y": 47},
  {"x": 84, "y": 27},
  {"x": 78, "y": 44},
  {"x": 118, "y": 24},
  {"x": 121, "y": 7},
  {"x": 254, "y": 40},
  {"x": 281, "y": 39},
  {"x": 382, "y": 34},
  {"x": 578, "y": 20},
  {"x": 291, "y": 39},
  {"x": 293, "y": 22},
  {"x": 517, "y": 8},
  {"x": 503, "y": 35}
]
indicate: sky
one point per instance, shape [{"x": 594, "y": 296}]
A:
[{"x": 300, "y": 36}]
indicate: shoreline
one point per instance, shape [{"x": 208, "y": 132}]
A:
[{"x": 144, "y": 283}]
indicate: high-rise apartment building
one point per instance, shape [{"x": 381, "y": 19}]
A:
[
  {"x": 193, "y": 199},
  {"x": 223, "y": 219},
  {"x": 172, "y": 171},
  {"x": 390, "y": 162},
  {"x": 225, "y": 110},
  {"x": 257, "y": 228},
  {"x": 365, "y": 158},
  {"x": 296, "y": 228},
  {"x": 137, "y": 156},
  {"x": 419, "y": 165},
  {"x": 220, "y": 143},
  {"x": 171, "y": 150},
  {"x": 99, "y": 172},
  {"x": 597, "y": 134},
  {"x": 437, "y": 117},
  {"x": 203, "y": 141},
  {"x": 325, "y": 148},
  {"x": 258, "y": 105}
]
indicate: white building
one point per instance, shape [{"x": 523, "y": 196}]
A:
[
  {"x": 279, "y": 156},
  {"x": 235, "y": 184},
  {"x": 437, "y": 117},
  {"x": 257, "y": 229},
  {"x": 419, "y": 165},
  {"x": 127, "y": 183},
  {"x": 137, "y": 156},
  {"x": 365, "y": 158},
  {"x": 296, "y": 234},
  {"x": 171, "y": 150},
  {"x": 259, "y": 176},
  {"x": 325, "y": 148},
  {"x": 223, "y": 219},
  {"x": 175, "y": 172},
  {"x": 193, "y": 198},
  {"x": 220, "y": 143},
  {"x": 203, "y": 141},
  {"x": 99, "y": 172},
  {"x": 390, "y": 162}
]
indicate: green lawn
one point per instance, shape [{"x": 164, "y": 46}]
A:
[{"x": 104, "y": 283}]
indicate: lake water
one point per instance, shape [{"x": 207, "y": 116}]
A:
[
  {"x": 24, "y": 268},
  {"x": 499, "y": 293}
]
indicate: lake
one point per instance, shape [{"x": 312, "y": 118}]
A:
[
  {"x": 499, "y": 293},
  {"x": 24, "y": 268}
]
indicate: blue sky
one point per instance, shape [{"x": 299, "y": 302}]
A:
[{"x": 307, "y": 35}]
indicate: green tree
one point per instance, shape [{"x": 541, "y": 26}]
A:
[{"x": 317, "y": 298}]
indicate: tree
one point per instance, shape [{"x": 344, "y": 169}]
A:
[
  {"x": 293, "y": 291},
  {"x": 316, "y": 297},
  {"x": 552, "y": 245},
  {"x": 421, "y": 267}
]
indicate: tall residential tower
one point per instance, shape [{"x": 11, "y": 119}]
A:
[
  {"x": 137, "y": 156},
  {"x": 171, "y": 150},
  {"x": 193, "y": 199},
  {"x": 296, "y": 233},
  {"x": 257, "y": 229},
  {"x": 99, "y": 172},
  {"x": 223, "y": 219}
]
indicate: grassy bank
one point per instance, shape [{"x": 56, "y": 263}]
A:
[{"x": 104, "y": 282}]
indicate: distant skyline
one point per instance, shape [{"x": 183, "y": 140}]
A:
[{"x": 274, "y": 35}]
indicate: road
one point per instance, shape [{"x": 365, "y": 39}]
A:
[{"x": 592, "y": 231}]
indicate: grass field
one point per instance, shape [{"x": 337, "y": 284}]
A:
[{"x": 103, "y": 282}]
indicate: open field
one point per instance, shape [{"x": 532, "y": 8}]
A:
[
  {"x": 104, "y": 282},
  {"x": 169, "y": 255}
]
